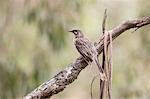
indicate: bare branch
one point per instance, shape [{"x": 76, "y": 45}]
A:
[
  {"x": 110, "y": 69},
  {"x": 104, "y": 21},
  {"x": 91, "y": 87},
  {"x": 67, "y": 76},
  {"x": 104, "y": 56}
]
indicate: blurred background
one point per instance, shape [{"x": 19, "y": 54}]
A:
[{"x": 35, "y": 45}]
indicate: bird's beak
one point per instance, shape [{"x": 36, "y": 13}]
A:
[{"x": 70, "y": 31}]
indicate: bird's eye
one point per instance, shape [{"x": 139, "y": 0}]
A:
[{"x": 75, "y": 32}]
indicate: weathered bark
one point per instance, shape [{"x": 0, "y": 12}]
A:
[{"x": 68, "y": 75}]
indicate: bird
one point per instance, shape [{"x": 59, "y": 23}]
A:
[{"x": 87, "y": 50}]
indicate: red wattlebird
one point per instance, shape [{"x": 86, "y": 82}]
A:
[{"x": 87, "y": 50}]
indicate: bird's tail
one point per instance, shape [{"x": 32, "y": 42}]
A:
[{"x": 101, "y": 70}]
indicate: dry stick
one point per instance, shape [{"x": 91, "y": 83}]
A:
[
  {"x": 102, "y": 83},
  {"x": 107, "y": 66},
  {"x": 110, "y": 69},
  {"x": 105, "y": 91},
  {"x": 68, "y": 75},
  {"x": 103, "y": 61},
  {"x": 91, "y": 87}
]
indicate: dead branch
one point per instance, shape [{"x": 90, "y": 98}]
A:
[
  {"x": 104, "y": 56},
  {"x": 68, "y": 75},
  {"x": 110, "y": 69}
]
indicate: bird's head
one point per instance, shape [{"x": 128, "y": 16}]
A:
[{"x": 77, "y": 33}]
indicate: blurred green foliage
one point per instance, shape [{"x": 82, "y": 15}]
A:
[
  {"x": 52, "y": 19},
  {"x": 35, "y": 45}
]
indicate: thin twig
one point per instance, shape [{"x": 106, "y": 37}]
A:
[
  {"x": 91, "y": 86},
  {"x": 102, "y": 83},
  {"x": 110, "y": 64},
  {"x": 104, "y": 21}
]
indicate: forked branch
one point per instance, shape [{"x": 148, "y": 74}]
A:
[{"x": 68, "y": 75}]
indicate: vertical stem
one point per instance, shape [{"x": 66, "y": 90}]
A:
[
  {"x": 104, "y": 59},
  {"x": 110, "y": 68}
]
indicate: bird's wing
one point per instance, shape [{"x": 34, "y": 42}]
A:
[
  {"x": 84, "y": 47},
  {"x": 88, "y": 51}
]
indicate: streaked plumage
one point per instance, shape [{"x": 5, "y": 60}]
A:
[{"x": 87, "y": 50}]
